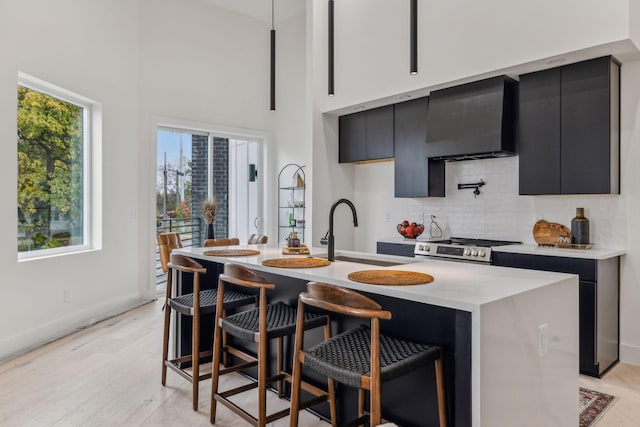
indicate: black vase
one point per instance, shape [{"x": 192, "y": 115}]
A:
[
  {"x": 580, "y": 228},
  {"x": 210, "y": 231}
]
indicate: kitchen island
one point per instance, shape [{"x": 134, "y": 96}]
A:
[{"x": 510, "y": 336}]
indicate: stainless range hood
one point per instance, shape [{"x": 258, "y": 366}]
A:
[{"x": 473, "y": 121}]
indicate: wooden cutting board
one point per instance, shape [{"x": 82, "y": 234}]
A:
[
  {"x": 390, "y": 277},
  {"x": 232, "y": 252},
  {"x": 307, "y": 262},
  {"x": 547, "y": 233}
]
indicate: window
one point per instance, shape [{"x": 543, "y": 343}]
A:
[{"x": 54, "y": 142}]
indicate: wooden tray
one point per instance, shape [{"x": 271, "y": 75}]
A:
[
  {"x": 390, "y": 277},
  {"x": 574, "y": 245},
  {"x": 300, "y": 250},
  {"x": 231, "y": 252},
  {"x": 547, "y": 233},
  {"x": 307, "y": 262}
]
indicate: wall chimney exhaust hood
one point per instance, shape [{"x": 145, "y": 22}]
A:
[{"x": 473, "y": 121}]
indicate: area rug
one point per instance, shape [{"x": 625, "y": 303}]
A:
[{"x": 593, "y": 405}]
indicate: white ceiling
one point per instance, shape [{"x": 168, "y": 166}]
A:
[{"x": 261, "y": 9}]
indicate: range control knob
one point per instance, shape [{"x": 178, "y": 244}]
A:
[
  {"x": 467, "y": 252},
  {"x": 481, "y": 253},
  {"x": 427, "y": 248},
  {"x": 474, "y": 252}
]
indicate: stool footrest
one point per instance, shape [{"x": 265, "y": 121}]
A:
[{"x": 246, "y": 415}]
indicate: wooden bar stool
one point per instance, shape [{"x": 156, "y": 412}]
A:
[
  {"x": 222, "y": 241},
  {"x": 257, "y": 239},
  {"x": 360, "y": 357},
  {"x": 258, "y": 325},
  {"x": 194, "y": 305}
]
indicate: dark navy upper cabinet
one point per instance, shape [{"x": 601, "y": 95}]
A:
[
  {"x": 569, "y": 130},
  {"x": 380, "y": 133},
  {"x": 415, "y": 174},
  {"x": 367, "y": 135},
  {"x": 353, "y": 137},
  {"x": 539, "y": 132}
]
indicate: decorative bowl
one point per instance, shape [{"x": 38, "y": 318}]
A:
[{"x": 410, "y": 230}]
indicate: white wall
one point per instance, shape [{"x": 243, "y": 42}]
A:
[
  {"x": 292, "y": 118},
  {"x": 90, "y": 48},
  {"x": 463, "y": 41},
  {"x": 630, "y": 177},
  {"x": 205, "y": 68},
  {"x": 456, "y": 40}
]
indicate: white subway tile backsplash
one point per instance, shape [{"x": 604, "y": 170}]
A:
[{"x": 497, "y": 213}]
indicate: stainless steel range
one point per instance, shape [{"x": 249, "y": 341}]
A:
[{"x": 457, "y": 248}]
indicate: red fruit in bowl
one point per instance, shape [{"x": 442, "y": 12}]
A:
[
  {"x": 413, "y": 224},
  {"x": 405, "y": 223}
]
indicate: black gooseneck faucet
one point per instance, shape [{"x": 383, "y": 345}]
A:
[{"x": 332, "y": 243}]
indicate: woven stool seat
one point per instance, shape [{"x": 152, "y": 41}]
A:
[
  {"x": 208, "y": 299},
  {"x": 346, "y": 357},
  {"x": 281, "y": 321},
  {"x": 267, "y": 322},
  {"x": 193, "y": 305},
  {"x": 361, "y": 357}
]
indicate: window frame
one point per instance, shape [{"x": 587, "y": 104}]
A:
[{"x": 91, "y": 118}]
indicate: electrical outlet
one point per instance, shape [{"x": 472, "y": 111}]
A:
[
  {"x": 67, "y": 295},
  {"x": 543, "y": 340},
  {"x": 387, "y": 216}
]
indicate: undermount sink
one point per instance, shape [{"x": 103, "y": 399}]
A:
[{"x": 378, "y": 262}]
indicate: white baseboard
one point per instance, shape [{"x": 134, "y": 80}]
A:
[
  {"x": 630, "y": 354},
  {"x": 57, "y": 328}
]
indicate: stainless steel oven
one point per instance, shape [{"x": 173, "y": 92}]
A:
[{"x": 459, "y": 249}]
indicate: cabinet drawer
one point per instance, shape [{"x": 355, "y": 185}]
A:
[
  {"x": 395, "y": 249},
  {"x": 585, "y": 268}
]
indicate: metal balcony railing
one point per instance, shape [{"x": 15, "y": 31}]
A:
[{"x": 190, "y": 233}]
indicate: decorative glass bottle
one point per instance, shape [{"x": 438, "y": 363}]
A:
[{"x": 580, "y": 228}]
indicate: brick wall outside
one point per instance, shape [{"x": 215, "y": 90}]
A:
[{"x": 199, "y": 181}]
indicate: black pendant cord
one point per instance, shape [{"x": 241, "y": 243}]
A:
[
  {"x": 330, "y": 48},
  {"x": 273, "y": 63},
  {"x": 413, "y": 35}
]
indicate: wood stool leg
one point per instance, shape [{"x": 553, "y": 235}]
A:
[
  {"x": 165, "y": 341},
  {"x": 279, "y": 367},
  {"x": 331, "y": 384},
  {"x": 217, "y": 353},
  {"x": 225, "y": 353},
  {"x": 442, "y": 403},
  {"x": 361, "y": 397},
  {"x": 195, "y": 360}
]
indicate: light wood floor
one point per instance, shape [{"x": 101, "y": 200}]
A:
[{"x": 90, "y": 379}]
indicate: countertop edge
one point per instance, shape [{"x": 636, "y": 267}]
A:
[
  {"x": 532, "y": 249},
  {"x": 593, "y": 253},
  {"x": 460, "y": 286}
]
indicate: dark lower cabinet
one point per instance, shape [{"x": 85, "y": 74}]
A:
[
  {"x": 598, "y": 305},
  {"x": 394, "y": 249},
  {"x": 569, "y": 129},
  {"x": 409, "y": 401},
  {"x": 415, "y": 174}
]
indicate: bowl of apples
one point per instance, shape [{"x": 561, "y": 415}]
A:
[{"x": 410, "y": 230}]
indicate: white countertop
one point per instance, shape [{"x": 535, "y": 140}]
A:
[
  {"x": 594, "y": 253},
  {"x": 462, "y": 286}
]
